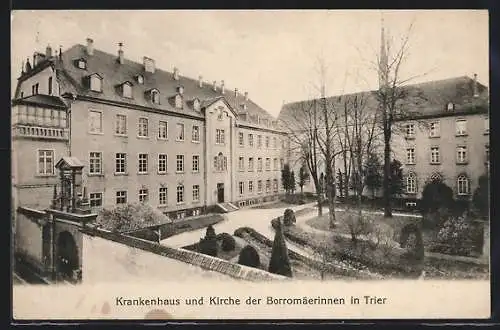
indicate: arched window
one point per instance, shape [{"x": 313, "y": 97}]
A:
[
  {"x": 463, "y": 185},
  {"x": 180, "y": 193},
  {"x": 436, "y": 177},
  {"x": 220, "y": 162},
  {"x": 196, "y": 105},
  {"x": 178, "y": 102},
  {"x": 450, "y": 106},
  {"x": 155, "y": 97},
  {"x": 127, "y": 90},
  {"x": 411, "y": 183}
]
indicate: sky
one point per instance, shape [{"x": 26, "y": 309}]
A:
[{"x": 273, "y": 55}]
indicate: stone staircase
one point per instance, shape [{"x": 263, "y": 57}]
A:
[{"x": 227, "y": 207}]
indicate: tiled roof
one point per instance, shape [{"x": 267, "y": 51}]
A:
[
  {"x": 115, "y": 74},
  {"x": 44, "y": 100},
  {"x": 424, "y": 99}
]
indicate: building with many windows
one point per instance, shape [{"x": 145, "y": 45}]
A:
[{"x": 142, "y": 134}]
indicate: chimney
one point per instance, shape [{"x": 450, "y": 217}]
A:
[
  {"x": 222, "y": 89},
  {"x": 48, "y": 52},
  {"x": 149, "y": 64},
  {"x": 214, "y": 87},
  {"x": 22, "y": 67},
  {"x": 90, "y": 47},
  {"x": 200, "y": 81},
  {"x": 476, "y": 93},
  {"x": 246, "y": 96},
  {"x": 28, "y": 65},
  {"x": 120, "y": 53},
  {"x": 176, "y": 73},
  {"x": 235, "y": 92}
]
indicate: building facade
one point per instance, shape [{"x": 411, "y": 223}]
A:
[{"x": 143, "y": 135}]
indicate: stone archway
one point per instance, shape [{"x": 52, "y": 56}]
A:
[{"x": 67, "y": 256}]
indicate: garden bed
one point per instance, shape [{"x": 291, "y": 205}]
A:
[{"x": 231, "y": 255}]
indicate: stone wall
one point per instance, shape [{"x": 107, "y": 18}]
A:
[{"x": 29, "y": 236}]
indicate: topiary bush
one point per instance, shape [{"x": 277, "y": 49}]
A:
[
  {"x": 208, "y": 244},
  {"x": 227, "y": 242},
  {"x": 289, "y": 217},
  {"x": 437, "y": 198},
  {"x": 275, "y": 222},
  {"x": 412, "y": 240},
  {"x": 280, "y": 262},
  {"x": 249, "y": 257}
]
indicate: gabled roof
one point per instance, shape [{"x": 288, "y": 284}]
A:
[
  {"x": 114, "y": 73},
  {"x": 67, "y": 162},
  {"x": 42, "y": 100}
]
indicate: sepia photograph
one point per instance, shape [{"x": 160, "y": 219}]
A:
[{"x": 250, "y": 164}]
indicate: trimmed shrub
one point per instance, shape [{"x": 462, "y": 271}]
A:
[
  {"x": 289, "y": 217},
  {"x": 280, "y": 262},
  {"x": 436, "y": 195},
  {"x": 411, "y": 239},
  {"x": 481, "y": 196},
  {"x": 227, "y": 242},
  {"x": 208, "y": 244},
  {"x": 275, "y": 222},
  {"x": 457, "y": 236},
  {"x": 249, "y": 257},
  {"x": 240, "y": 232}
]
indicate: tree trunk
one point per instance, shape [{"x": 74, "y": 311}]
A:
[
  {"x": 330, "y": 191},
  {"x": 387, "y": 177}
]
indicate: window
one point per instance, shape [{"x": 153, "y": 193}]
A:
[
  {"x": 180, "y": 132},
  {"x": 250, "y": 164},
  {"x": 240, "y": 139},
  {"x": 434, "y": 155},
  {"x": 143, "y": 163},
  {"x": 180, "y": 194},
  {"x": 121, "y": 125},
  {"x": 143, "y": 127},
  {"x": 162, "y": 130},
  {"x": 275, "y": 143},
  {"x": 250, "y": 186},
  {"x": 195, "y": 136},
  {"x": 411, "y": 183},
  {"x": 463, "y": 185},
  {"x": 487, "y": 153},
  {"x": 275, "y": 185},
  {"x": 162, "y": 163},
  {"x": 241, "y": 163},
  {"x": 410, "y": 155},
  {"x": 143, "y": 195},
  {"x": 461, "y": 127},
  {"x": 220, "y": 162},
  {"x": 155, "y": 97},
  {"x": 95, "y": 159},
  {"x": 267, "y": 141},
  {"x": 196, "y": 163},
  {"x": 487, "y": 125},
  {"x": 434, "y": 129},
  {"x": 178, "y": 102},
  {"x": 45, "y": 162},
  {"x": 95, "y": 121},
  {"x": 259, "y": 141},
  {"x": 196, "y": 105},
  {"x": 268, "y": 186},
  {"x": 282, "y": 163},
  {"x": 121, "y": 197},
  {"x": 275, "y": 162},
  {"x": 95, "y": 199},
  {"x": 436, "y": 177},
  {"x": 450, "y": 106},
  {"x": 410, "y": 131},
  {"x": 259, "y": 164},
  {"x": 82, "y": 64},
  {"x": 162, "y": 196},
  {"x": 95, "y": 83},
  {"x": 461, "y": 154},
  {"x": 241, "y": 187},
  {"x": 22, "y": 94},
  {"x": 250, "y": 140},
  {"x": 268, "y": 164},
  {"x": 196, "y": 193},
  {"x": 140, "y": 79},
  {"x": 127, "y": 90},
  {"x": 283, "y": 144},
  {"x": 259, "y": 186},
  {"x": 120, "y": 163},
  {"x": 179, "y": 167},
  {"x": 50, "y": 85},
  {"x": 219, "y": 136}
]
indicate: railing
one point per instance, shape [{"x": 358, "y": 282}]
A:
[{"x": 40, "y": 132}]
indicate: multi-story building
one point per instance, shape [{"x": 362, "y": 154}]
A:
[
  {"x": 142, "y": 134},
  {"x": 444, "y": 132}
]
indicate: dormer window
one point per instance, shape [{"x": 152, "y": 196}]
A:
[
  {"x": 127, "y": 90},
  {"x": 82, "y": 64},
  {"x": 178, "y": 101},
  {"x": 196, "y": 105},
  {"x": 180, "y": 90},
  {"x": 155, "y": 96},
  {"x": 96, "y": 83},
  {"x": 450, "y": 106},
  {"x": 140, "y": 79}
]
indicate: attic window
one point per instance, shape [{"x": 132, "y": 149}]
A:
[
  {"x": 96, "y": 83},
  {"x": 196, "y": 105},
  {"x": 155, "y": 96},
  {"x": 140, "y": 79},
  {"x": 178, "y": 101},
  {"x": 82, "y": 64},
  {"x": 450, "y": 106},
  {"x": 127, "y": 90}
]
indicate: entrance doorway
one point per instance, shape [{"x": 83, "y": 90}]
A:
[
  {"x": 220, "y": 193},
  {"x": 67, "y": 255}
]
